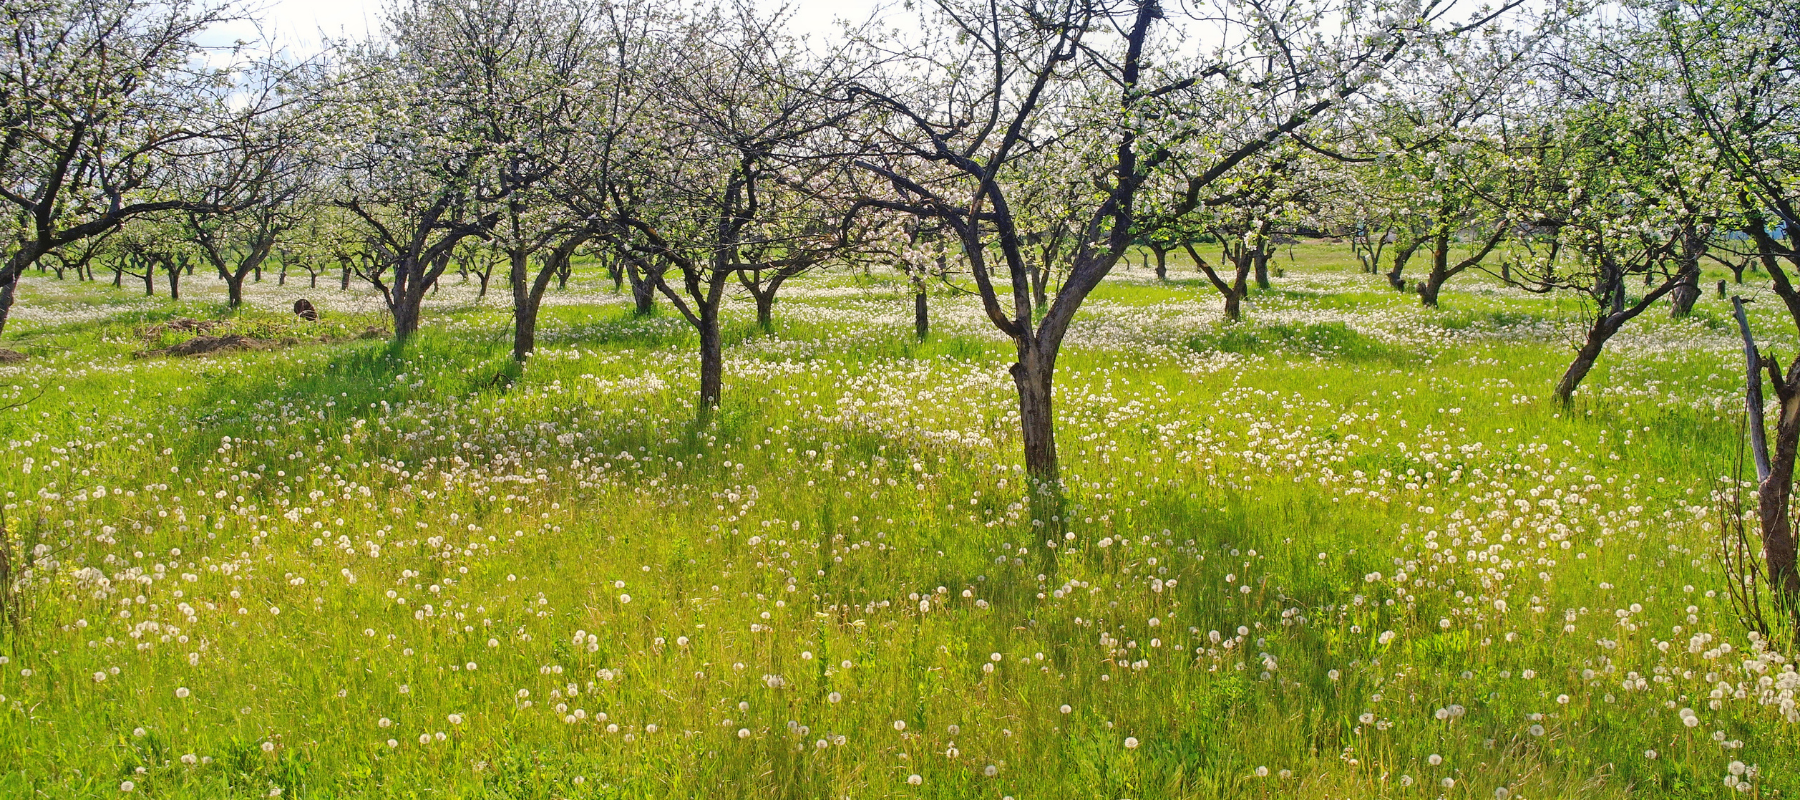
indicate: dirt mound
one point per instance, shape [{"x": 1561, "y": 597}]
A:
[
  {"x": 11, "y": 356},
  {"x": 208, "y": 344},
  {"x": 181, "y": 325},
  {"x": 203, "y": 345}
]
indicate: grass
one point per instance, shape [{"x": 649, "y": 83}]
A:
[{"x": 1344, "y": 549}]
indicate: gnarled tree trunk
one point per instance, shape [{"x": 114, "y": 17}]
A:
[
  {"x": 643, "y": 285},
  {"x": 1585, "y": 357}
]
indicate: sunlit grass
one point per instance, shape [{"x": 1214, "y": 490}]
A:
[{"x": 1345, "y": 549}]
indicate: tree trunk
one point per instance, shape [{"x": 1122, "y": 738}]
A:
[
  {"x": 1232, "y": 292},
  {"x": 643, "y": 291},
  {"x": 345, "y": 282},
  {"x": 314, "y": 280},
  {"x": 1584, "y": 361},
  {"x": 1261, "y": 257},
  {"x": 281, "y": 277},
  {"x": 765, "y": 309},
  {"x": 712, "y": 363},
  {"x": 921, "y": 315},
  {"x": 1428, "y": 291},
  {"x": 175, "y": 282},
  {"x": 406, "y": 318},
  {"x": 1162, "y": 264},
  {"x": 412, "y": 279},
  {"x": 149, "y": 280},
  {"x": 10, "y": 274},
  {"x": 525, "y": 316},
  {"x": 1685, "y": 294},
  {"x": 1773, "y": 498},
  {"x": 484, "y": 276},
  {"x": 1440, "y": 270},
  {"x": 7, "y": 293},
  {"x": 1033, "y": 374},
  {"x": 1395, "y": 274},
  {"x": 1037, "y": 420},
  {"x": 234, "y": 289}
]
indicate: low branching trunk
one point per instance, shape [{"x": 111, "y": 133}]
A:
[
  {"x": 1607, "y": 322},
  {"x": 1585, "y": 358},
  {"x": 1234, "y": 290},
  {"x": 528, "y": 289},
  {"x": 643, "y": 287},
  {"x": 174, "y": 267},
  {"x": 1402, "y": 254},
  {"x": 1774, "y": 470},
  {"x": 1442, "y": 270},
  {"x": 1775, "y": 465}
]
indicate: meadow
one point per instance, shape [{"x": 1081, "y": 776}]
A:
[{"x": 1349, "y": 548}]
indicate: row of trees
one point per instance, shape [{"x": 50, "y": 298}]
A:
[{"x": 1019, "y": 148}]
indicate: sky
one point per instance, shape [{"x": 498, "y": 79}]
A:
[{"x": 299, "y": 22}]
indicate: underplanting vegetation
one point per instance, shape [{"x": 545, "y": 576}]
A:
[{"x": 1342, "y": 549}]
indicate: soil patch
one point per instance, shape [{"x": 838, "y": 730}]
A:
[
  {"x": 205, "y": 345},
  {"x": 181, "y": 325}
]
